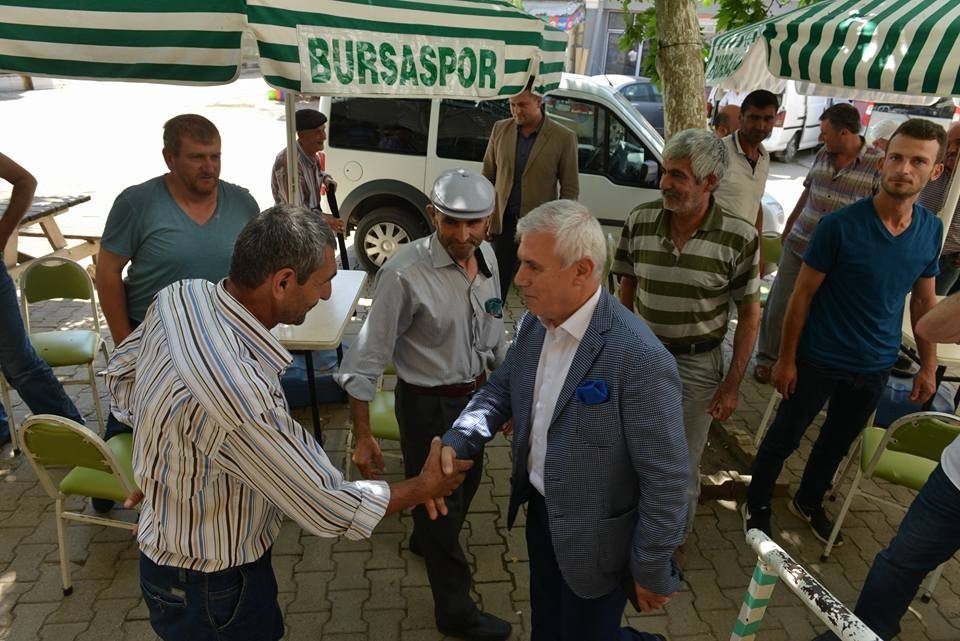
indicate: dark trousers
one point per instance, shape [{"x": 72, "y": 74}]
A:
[
  {"x": 505, "y": 249},
  {"x": 422, "y": 417},
  {"x": 556, "y": 612},
  {"x": 114, "y": 426},
  {"x": 237, "y": 604},
  {"x": 853, "y": 397},
  {"x": 929, "y": 535}
]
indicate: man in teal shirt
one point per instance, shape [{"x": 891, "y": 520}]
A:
[{"x": 179, "y": 225}]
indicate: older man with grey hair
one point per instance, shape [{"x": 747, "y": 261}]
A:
[
  {"x": 216, "y": 453},
  {"x": 682, "y": 260},
  {"x": 598, "y": 446}
]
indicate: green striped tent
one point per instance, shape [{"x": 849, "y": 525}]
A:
[
  {"x": 890, "y": 50},
  {"x": 402, "y": 48}
]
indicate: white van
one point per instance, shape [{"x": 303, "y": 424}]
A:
[
  {"x": 385, "y": 154},
  {"x": 797, "y": 126}
]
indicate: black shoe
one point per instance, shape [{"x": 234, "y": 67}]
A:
[
  {"x": 102, "y": 506},
  {"x": 480, "y": 627},
  {"x": 758, "y": 519},
  {"x": 820, "y": 524},
  {"x": 415, "y": 546}
]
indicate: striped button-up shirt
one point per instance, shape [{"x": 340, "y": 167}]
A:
[
  {"x": 684, "y": 296},
  {"x": 216, "y": 453},
  {"x": 311, "y": 179},
  {"x": 932, "y": 197},
  {"x": 829, "y": 189}
]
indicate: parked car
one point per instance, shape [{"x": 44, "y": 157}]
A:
[
  {"x": 943, "y": 111},
  {"x": 641, "y": 93},
  {"x": 385, "y": 154},
  {"x": 797, "y": 126}
]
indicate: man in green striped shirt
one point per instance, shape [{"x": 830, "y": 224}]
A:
[{"x": 682, "y": 260}]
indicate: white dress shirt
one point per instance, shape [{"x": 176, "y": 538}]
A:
[{"x": 559, "y": 347}]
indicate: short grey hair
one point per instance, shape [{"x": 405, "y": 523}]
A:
[
  {"x": 576, "y": 231},
  {"x": 282, "y": 236},
  {"x": 707, "y": 153}
]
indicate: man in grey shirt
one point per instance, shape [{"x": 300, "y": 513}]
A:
[{"x": 437, "y": 314}]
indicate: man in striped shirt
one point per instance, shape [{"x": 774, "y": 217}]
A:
[
  {"x": 217, "y": 455},
  {"x": 932, "y": 197},
  {"x": 311, "y": 136},
  {"x": 844, "y": 171},
  {"x": 682, "y": 260}
]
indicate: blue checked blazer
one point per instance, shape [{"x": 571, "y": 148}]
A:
[{"x": 616, "y": 472}]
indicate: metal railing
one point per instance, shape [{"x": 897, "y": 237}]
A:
[{"x": 774, "y": 565}]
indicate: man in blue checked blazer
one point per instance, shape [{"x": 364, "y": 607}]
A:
[{"x": 599, "y": 452}]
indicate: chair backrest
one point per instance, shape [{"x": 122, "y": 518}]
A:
[
  {"x": 772, "y": 247},
  {"x": 55, "y": 441},
  {"x": 55, "y": 277},
  {"x": 924, "y": 434}
]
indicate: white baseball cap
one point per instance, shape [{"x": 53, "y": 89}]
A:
[{"x": 463, "y": 194}]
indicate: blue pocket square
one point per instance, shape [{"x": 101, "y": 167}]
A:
[{"x": 593, "y": 392}]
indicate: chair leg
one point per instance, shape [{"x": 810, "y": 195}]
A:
[
  {"x": 62, "y": 545},
  {"x": 843, "y": 514},
  {"x": 96, "y": 397},
  {"x": 106, "y": 354},
  {"x": 931, "y": 584},
  {"x": 11, "y": 420},
  {"x": 348, "y": 454},
  {"x": 767, "y": 415}
]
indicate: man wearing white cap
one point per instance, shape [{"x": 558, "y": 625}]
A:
[{"x": 437, "y": 314}]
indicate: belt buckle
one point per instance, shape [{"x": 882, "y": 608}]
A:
[{"x": 692, "y": 349}]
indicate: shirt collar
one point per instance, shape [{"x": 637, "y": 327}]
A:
[
  {"x": 736, "y": 143},
  {"x": 250, "y": 330},
  {"x": 576, "y": 326},
  {"x": 713, "y": 220},
  {"x": 535, "y": 131},
  {"x": 312, "y": 159},
  {"x": 441, "y": 258}
]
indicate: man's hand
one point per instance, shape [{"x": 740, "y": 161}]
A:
[
  {"x": 335, "y": 223},
  {"x": 329, "y": 182},
  {"x": 367, "y": 457},
  {"x": 132, "y": 501},
  {"x": 724, "y": 401},
  {"x": 439, "y": 479},
  {"x": 507, "y": 428},
  {"x": 650, "y": 601},
  {"x": 784, "y": 377},
  {"x": 924, "y": 385}
]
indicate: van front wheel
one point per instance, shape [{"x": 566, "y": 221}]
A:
[
  {"x": 789, "y": 154},
  {"x": 381, "y": 233}
]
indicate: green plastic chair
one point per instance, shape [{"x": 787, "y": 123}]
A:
[
  {"x": 383, "y": 421},
  {"x": 905, "y": 454},
  {"x": 772, "y": 251},
  {"x": 98, "y": 469},
  {"x": 609, "y": 279},
  {"x": 61, "y": 278}
]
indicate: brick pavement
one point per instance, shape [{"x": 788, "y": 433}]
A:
[{"x": 341, "y": 590}]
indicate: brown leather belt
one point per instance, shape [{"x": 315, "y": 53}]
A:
[{"x": 454, "y": 390}]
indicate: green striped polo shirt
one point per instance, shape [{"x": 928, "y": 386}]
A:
[{"x": 685, "y": 296}]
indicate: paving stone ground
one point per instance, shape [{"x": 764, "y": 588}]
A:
[{"x": 340, "y": 590}]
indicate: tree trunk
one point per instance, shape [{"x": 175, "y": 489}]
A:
[{"x": 680, "y": 64}]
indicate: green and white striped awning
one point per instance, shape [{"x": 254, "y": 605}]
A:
[
  {"x": 880, "y": 49},
  {"x": 404, "y": 48}
]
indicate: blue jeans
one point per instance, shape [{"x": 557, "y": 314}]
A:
[
  {"x": 852, "y": 396},
  {"x": 929, "y": 535},
  {"x": 236, "y": 604},
  {"x": 24, "y": 370}
]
